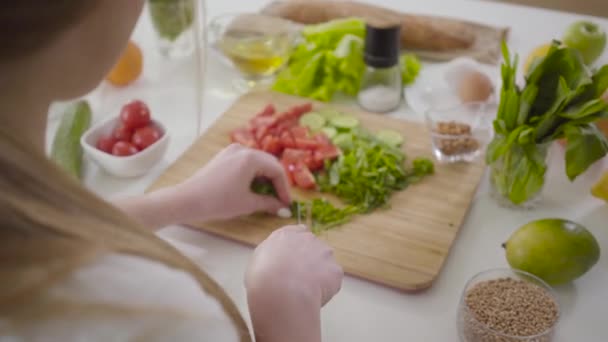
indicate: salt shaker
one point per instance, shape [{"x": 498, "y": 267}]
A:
[{"x": 381, "y": 84}]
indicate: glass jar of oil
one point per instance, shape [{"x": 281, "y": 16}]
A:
[{"x": 257, "y": 46}]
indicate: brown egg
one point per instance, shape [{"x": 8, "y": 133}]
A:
[
  {"x": 475, "y": 86},
  {"x": 605, "y": 96}
]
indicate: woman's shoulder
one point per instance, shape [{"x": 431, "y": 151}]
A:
[{"x": 125, "y": 298}]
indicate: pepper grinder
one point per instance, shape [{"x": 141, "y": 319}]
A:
[{"x": 380, "y": 89}]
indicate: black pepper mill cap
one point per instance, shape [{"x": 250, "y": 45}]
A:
[{"x": 382, "y": 45}]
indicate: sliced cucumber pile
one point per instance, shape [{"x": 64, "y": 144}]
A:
[
  {"x": 344, "y": 122},
  {"x": 389, "y": 137},
  {"x": 314, "y": 121},
  {"x": 329, "y": 131},
  {"x": 341, "y": 128},
  {"x": 343, "y": 140},
  {"x": 328, "y": 113}
]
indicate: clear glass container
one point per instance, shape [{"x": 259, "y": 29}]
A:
[
  {"x": 380, "y": 89},
  {"x": 460, "y": 133},
  {"x": 472, "y": 330},
  {"x": 174, "y": 24},
  {"x": 255, "y": 45},
  {"x": 503, "y": 175}
]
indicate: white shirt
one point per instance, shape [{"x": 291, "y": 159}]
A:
[{"x": 164, "y": 304}]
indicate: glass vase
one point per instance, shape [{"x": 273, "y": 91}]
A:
[
  {"x": 517, "y": 177},
  {"x": 174, "y": 24}
]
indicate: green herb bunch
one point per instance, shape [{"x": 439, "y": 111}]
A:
[{"x": 560, "y": 99}]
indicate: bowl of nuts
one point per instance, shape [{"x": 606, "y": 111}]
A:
[
  {"x": 507, "y": 305},
  {"x": 460, "y": 133}
]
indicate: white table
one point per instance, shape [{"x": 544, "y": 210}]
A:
[{"x": 363, "y": 311}]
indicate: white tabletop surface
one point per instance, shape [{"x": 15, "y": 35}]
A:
[{"x": 363, "y": 311}]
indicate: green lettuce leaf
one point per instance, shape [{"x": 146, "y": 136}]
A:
[
  {"x": 329, "y": 60},
  {"x": 410, "y": 68}
]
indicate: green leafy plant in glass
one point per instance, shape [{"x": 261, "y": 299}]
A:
[
  {"x": 560, "y": 99},
  {"x": 171, "y": 17}
]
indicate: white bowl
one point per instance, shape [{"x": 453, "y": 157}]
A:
[{"x": 128, "y": 166}]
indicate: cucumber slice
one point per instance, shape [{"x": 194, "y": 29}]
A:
[
  {"x": 345, "y": 122},
  {"x": 313, "y": 121},
  {"x": 66, "y": 150},
  {"x": 343, "y": 140},
  {"x": 329, "y": 113},
  {"x": 391, "y": 138},
  {"x": 329, "y": 131}
]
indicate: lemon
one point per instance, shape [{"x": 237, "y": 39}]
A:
[
  {"x": 538, "y": 52},
  {"x": 600, "y": 189}
]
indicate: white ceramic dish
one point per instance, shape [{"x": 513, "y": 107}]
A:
[
  {"x": 435, "y": 86},
  {"x": 124, "y": 167}
]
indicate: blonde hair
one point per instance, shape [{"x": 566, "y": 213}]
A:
[{"x": 51, "y": 226}]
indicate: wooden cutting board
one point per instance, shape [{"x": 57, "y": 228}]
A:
[{"x": 402, "y": 247}]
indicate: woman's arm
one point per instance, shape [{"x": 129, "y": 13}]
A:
[
  {"x": 157, "y": 209},
  {"x": 220, "y": 190}
]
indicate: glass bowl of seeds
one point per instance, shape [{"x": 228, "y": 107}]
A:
[
  {"x": 507, "y": 305},
  {"x": 460, "y": 133}
]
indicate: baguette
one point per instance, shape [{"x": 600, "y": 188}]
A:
[{"x": 417, "y": 32}]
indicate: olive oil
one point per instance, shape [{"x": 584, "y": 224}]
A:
[{"x": 256, "y": 55}]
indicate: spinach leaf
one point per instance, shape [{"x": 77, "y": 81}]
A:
[
  {"x": 583, "y": 109},
  {"x": 597, "y": 88},
  {"x": 560, "y": 74},
  {"x": 525, "y": 105},
  {"x": 586, "y": 145}
]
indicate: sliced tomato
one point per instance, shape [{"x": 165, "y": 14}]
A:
[
  {"x": 313, "y": 163},
  {"x": 330, "y": 152},
  {"x": 262, "y": 121},
  {"x": 301, "y": 109},
  {"x": 295, "y": 156},
  {"x": 290, "y": 168},
  {"x": 303, "y": 178},
  {"x": 299, "y": 132},
  {"x": 244, "y": 137},
  {"x": 322, "y": 139},
  {"x": 260, "y": 133},
  {"x": 269, "y": 110},
  {"x": 287, "y": 140},
  {"x": 307, "y": 143},
  {"x": 286, "y": 125},
  {"x": 272, "y": 145}
]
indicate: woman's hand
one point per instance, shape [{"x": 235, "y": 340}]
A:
[
  {"x": 220, "y": 190},
  {"x": 291, "y": 276}
]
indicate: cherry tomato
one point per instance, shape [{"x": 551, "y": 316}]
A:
[
  {"x": 123, "y": 148},
  {"x": 135, "y": 114},
  {"x": 122, "y": 133},
  {"x": 105, "y": 143},
  {"x": 146, "y": 136}
]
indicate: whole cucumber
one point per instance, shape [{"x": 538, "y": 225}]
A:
[{"x": 66, "y": 150}]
